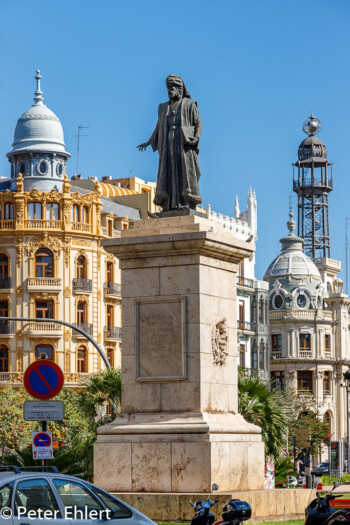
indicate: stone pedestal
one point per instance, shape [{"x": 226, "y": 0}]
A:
[{"x": 179, "y": 430}]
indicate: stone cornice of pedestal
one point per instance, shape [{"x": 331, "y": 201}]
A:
[
  {"x": 223, "y": 247},
  {"x": 179, "y": 423}
]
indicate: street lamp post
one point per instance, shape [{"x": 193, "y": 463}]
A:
[{"x": 347, "y": 381}]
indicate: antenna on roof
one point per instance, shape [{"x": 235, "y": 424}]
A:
[{"x": 78, "y": 142}]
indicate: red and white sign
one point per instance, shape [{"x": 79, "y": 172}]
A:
[{"x": 42, "y": 445}]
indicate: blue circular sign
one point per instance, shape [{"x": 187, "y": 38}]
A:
[
  {"x": 42, "y": 440},
  {"x": 43, "y": 379}
]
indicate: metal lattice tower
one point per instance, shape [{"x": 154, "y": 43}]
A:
[{"x": 312, "y": 182}]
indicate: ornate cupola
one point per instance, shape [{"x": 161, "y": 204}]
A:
[
  {"x": 38, "y": 149},
  {"x": 312, "y": 182},
  {"x": 294, "y": 280}
]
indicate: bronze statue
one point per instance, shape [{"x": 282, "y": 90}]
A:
[{"x": 176, "y": 138}]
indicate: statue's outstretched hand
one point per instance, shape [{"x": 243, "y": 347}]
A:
[{"x": 142, "y": 147}]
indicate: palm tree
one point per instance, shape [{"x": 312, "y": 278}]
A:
[
  {"x": 101, "y": 389},
  {"x": 261, "y": 403}
]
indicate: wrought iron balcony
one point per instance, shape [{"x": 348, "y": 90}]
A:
[
  {"x": 5, "y": 283},
  {"x": 112, "y": 289},
  {"x": 244, "y": 281},
  {"x": 83, "y": 326},
  {"x": 7, "y": 327},
  {"x": 244, "y": 325},
  {"x": 82, "y": 285},
  {"x": 113, "y": 332}
]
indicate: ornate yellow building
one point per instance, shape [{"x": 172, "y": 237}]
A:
[{"x": 51, "y": 261}]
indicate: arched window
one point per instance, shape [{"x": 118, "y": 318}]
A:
[
  {"x": 261, "y": 310},
  {"x": 254, "y": 356},
  {"x": 44, "y": 349},
  {"x": 262, "y": 355},
  {"x": 110, "y": 356},
  {"x": 81, "y": 312},
  {"x": 44, "y": 263},
  {"x": 253, "y": 310},
  {"x": 4, "y": 358},
  {"x": 52, "y": 211},
  {"x": 75, "y": 213},
  {"x": 81, "y": 267},
  {"x": 8, "y": 211},
  {"x": 82, "y": 359},
  {"x": 34, "y": 211}
]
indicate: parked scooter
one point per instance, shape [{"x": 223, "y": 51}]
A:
[
  {"x": 319, "y": 512},
  {"x": 234, "y": 512}
]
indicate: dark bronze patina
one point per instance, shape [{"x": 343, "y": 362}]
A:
[{"x": 176, "y": 138}]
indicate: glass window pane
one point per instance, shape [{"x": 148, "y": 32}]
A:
[
  {"x": 75, "y": 497},
  {"x": 5, "y": 496},
  {"x": 35, "y": 495},
  {"x": 111, "y": 502}
]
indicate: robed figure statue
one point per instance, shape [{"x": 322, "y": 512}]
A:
[{"x": 176, "y": 138}]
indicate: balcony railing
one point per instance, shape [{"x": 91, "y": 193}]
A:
[
  {"x": 305, "y": 354},
  {"x": 244, "y": 325},
  {"x": 244, "y": 281},
  {"x": 113, "y": 332},
  {"x": 7, "y": 327},
  {"x": 75, "y": 377},
  {"x": 7, "y": 225},
  {"x": 45, "y": 328},
  {"x": 276, "y": 355},
  {"x": 36, "y": 283},
  {"x": 81, "y": 226},
  {"x": 5, "y": 283},
  {"x": 112, "y": 289},
  {"x": 39, "y": 224},
  {"x": 11, "y": 377},
  {"x": 83, "y": 326},
  {"x": 82, "y": 285}
]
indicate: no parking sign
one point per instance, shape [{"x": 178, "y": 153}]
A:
[{"x": 42, "y": 445}]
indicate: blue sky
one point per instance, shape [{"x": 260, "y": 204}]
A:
[{"x": 256, "y": 68}]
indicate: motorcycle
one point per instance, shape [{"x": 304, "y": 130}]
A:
[
  {"x": 234, "y": 512},
  {"x": 319, "y": 512}
]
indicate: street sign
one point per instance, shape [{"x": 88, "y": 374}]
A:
[
  {"x": 42, "y": 445},
  {"x": 44, "y": 410},
  {"x": 43, "y": 379}
]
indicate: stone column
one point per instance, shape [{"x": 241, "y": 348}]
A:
[{"x": 179, "y": 430}]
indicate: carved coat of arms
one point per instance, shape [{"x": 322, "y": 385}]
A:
[{"x": 219, "y": 341}]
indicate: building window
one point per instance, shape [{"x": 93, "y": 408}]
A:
[
  {"x": 4, "y": 312},
  {"x": 276, "y": 342},
  {"x": 327, "y": 383},
  {"x": 261, "y": 311},
  {"x": 85, "y": 215},
  {"x": 241, "y": 315},
  {"x": 327, "y": 343},
  {"x": 253, "y": 310},
  {"x": 242, "y": 356},
  {"x": 81, "y": 360},
  {"x": 43, "y": 263},
  {"x": 240, "y": 273},
  {"x": 305, "y": 381},
  {"x": 75, "y": 213},
  {"x": 110, "y": 315},
  {"x": 279, "y": 379},
  {"x": 44, "y": 349},
  {"x": 52, "y": 211},
  {"x": 4, "y": 358},
  {"x": 81, "y": 267},
  {"x": 110, "y": 228},
  {"x": 110, "y": 272},
  {"x": 261, "y": 355},
  {"x": 305, "y": 342},
  {"x": 44, "y": 309},
  {"x": 4, "y": 265},
  {"x": 8, "y": 211},
  {"x": 254, "y": 357},
  {"x": 81, "y": 312},
  {"x": 34, "y": 211},
  {"x": 110, "y": 356}
]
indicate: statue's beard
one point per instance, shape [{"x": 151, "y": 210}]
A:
[{"x": 176, "y": 95}]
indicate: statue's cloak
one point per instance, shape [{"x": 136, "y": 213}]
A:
[{"x": 190, "y": 127}]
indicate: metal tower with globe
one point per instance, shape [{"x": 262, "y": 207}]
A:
[{"x": 312, "y": 182}]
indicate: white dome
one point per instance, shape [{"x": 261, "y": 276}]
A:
[
  {"x": 294, "y": 263},
  {"x": 38, "y": 129}
]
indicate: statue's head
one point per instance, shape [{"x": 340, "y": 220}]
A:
[{"x": 176, "y": 88}]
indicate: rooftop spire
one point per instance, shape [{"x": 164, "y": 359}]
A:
[
  {"x": 291, "y": 223},
  {"x": 38, "y": 99},
  {"x": 237, "y": 210}
]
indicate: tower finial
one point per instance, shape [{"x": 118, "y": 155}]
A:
[
  {"x": 291, "y": 224},
  {"x": 38, "y": 99}
]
